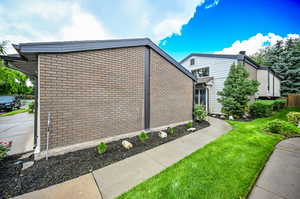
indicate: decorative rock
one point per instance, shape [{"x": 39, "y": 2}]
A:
[
  {"x": 162, "y": 134},
  {"x": 231, "y": 117},
  {"x": 213, "y": 115},
  {"x": 192, "y": 129},
  {"x": 222, "y": 116},
  {"x": 26, "y": 165},
  {"x": 126, "y": 144}
]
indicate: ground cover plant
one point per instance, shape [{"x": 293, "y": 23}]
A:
[
  {"x": 57, "y": 169},
  {"x": 225, "y": 168},
  {"x": 101, "y": 148},
  {"x": 294, "y": 117},
  {"x": 189, "y": 124}
]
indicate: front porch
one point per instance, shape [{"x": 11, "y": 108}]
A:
[{"x": 201, "y": 92}]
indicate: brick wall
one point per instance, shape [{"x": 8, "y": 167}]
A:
[
  {"x": 170, "y": 93},
  {"x": 92, "y": 95}
]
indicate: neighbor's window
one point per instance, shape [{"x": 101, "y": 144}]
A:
[
  {"x": 193, "y": 61},
  {"x": 201, "y": 72}
]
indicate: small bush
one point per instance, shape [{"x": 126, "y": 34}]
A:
[
  {"x": 278, "y": 104},
  {"x": 31, "y": 107},
  {"x": 101, "y": 148},
  {"x": 189, "y": 124},
  {"x": 294, "y": 117},
  {"x": 199, "y": 113},
  {"x": 170, "y": 130},
  {"x": 261, "y": 109},
  {"x": 3, "y": 152},
  {"x": 280, "y": 127},
  {"x": 143, "y": 136}
]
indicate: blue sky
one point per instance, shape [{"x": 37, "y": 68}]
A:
[
  {"x": 213, "y": 29},
  {"x": 179, "y": 27}
]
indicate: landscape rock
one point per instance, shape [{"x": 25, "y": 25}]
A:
[
  {"x": 299, "y": 125},
  {"x": 222, "y": 116},
  {"x": 126, "y": 144},
  {"x": 162, "y": 134},
  {"x": 26, "y": 165},
  {"x": 191, "y": 129},
  {"x": 231, "y": 117}
]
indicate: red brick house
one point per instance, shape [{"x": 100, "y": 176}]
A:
[{"x": 102, "y": 89}]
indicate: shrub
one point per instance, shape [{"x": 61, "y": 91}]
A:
[
  {"x": 189, "y": 124},
  {"x": 294, "y": 117},
  {"x": 170, "y": 130},
  {"x": 237, "y": 91},
  {"x": 143, "y": 136},
  {"x": 101, "y": 148},
  {"x": 199, "y": 113},
  {"x": 280, "y": 127},
  {"x": 3, "y": 152},
  {"x": 278, "y": 104},
  {"x": 261, "y": 109},
  {"x": 31, "y": 107}
]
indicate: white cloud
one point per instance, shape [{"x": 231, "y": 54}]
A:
[
  {"x": 49, "y": 20},
  {"x": 84, "y": 26},
  {"x": 213, "y": 4},
  {"x": 254, "y": 43}
]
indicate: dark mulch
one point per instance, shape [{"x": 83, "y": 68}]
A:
[
  {"x": 14, "y": 181},
  {"x": 219, "y": 116}
]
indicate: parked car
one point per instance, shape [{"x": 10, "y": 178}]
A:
[{"x": 9, "y": 103}]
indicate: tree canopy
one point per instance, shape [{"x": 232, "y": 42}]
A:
[
  {"x": 12, "y": 81},
  {"x": 284, "y": 58}
]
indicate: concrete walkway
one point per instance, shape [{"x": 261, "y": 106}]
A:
[
  {"x": 119, "y": 177},
  {"x": 280, "y": 178},
  {"x": 19, "y": 129}
]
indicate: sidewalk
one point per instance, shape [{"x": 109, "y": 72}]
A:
[
  {"x": 119, "y": 177},
  {"x": 280, "y": 178}
]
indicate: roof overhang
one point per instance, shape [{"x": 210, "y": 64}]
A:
[{"x": 28, "y": 52}]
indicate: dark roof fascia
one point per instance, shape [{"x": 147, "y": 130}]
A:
[
  {"x": 79, "y": 46},
  {"x": 209, "y": 55},
  {"x": 12, "y": 57}
]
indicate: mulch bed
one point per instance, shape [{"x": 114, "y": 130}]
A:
[
  {"x": 222, "y": 117},
  {"x": 15, "y": 181}
]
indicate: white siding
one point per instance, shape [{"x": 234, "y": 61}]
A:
[
  {"x": 219, "y": 69},
  {"x": 277, "y": 87},
  {"x": 262, "y": 77}
]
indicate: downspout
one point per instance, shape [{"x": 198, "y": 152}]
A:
[
  {"x": 35, "y": 111},
  {"x": 147, "y": 88},
  {"x": 193, "y": 101}
]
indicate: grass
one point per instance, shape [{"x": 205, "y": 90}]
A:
[
  {"x": 14, "y": 112},
  {"x": 225, "y": 168}
]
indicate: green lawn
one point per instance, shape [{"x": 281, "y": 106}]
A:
[
  {"x": 225, "y": 168},
  {"x": 14, "y": 112}
]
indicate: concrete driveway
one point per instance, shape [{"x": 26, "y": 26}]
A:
[{"x": 19, "y": 129}]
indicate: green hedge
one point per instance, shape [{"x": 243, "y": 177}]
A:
[{"x": 264, "y": 108}]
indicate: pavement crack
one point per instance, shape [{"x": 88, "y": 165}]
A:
[{"x": 97, "y": 185}]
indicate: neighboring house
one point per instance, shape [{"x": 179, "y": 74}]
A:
[
  {"x": 212, "y": 70},
  {"x": 103, "y": 89}
]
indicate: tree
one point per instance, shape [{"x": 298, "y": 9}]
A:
[
  {"x": 284, "y": 58},
  {"x": 237, "y": 91},
  {"x": 12, "y": 81}
]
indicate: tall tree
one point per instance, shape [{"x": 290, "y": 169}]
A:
[
  {"x": 284, "y": 58},
  {"x": 237, "y": 91},
  {"x": 12, "y": 81}
]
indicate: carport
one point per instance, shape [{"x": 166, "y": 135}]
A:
[{"x": 21, "y": 128}]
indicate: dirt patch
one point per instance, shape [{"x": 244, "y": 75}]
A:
[{"x": 64, "y": 167}]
